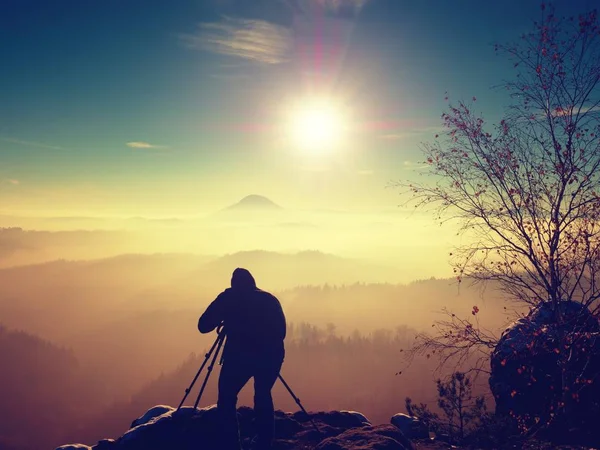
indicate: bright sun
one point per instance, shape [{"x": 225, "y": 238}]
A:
[{"x": 316, "y": 126}]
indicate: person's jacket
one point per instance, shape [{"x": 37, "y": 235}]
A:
[{"x": 253, "y": 321}]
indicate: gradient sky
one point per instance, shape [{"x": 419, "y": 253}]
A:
[{"x": 176, "y": 108}]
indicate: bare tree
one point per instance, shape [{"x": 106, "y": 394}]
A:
[{"x": 525, "y": 191}]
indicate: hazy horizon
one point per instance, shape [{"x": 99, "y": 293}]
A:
[{"x": 387, "y": 238}]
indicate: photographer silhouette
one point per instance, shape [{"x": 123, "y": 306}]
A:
[{"x": 255, "y": 328}]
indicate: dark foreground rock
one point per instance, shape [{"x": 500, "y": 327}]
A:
[
  {"x": 381, "y": 437},
  {"x": 164, "y": 428},
  {"x": 526, "y": 376}
]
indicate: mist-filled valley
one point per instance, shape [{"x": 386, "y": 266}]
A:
[{"x": 89, "y": 341}]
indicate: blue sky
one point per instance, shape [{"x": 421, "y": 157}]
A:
[{"x": 154, "y": 107}]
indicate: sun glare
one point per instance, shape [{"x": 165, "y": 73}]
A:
[{"x": 316, "y": 126}]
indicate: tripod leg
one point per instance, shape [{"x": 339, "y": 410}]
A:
[
  {"x": 297, "y": 400},
  {"x": 207, "y": 356},
  {"x": 221, "y": 339}
]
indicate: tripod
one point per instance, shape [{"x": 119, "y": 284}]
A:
[{"x": 217, "y": 345}]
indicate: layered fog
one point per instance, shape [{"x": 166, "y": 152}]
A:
[{"x": 396, "y": 244}]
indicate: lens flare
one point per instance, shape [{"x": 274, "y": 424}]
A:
[{"x": 316, "y": 126}]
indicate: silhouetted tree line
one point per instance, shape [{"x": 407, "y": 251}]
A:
[{"x": 42, "y": 388}]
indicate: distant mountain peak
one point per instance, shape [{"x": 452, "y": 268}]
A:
[{"x": 255, "y": 201}]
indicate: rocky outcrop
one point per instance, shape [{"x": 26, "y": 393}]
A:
[
  {"x": 525, "y": 368},
  {"x": 164, "y": 428},
  {"x": 410, "y": 426}
]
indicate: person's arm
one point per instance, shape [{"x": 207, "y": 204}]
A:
[{"x": 213, "y": 316}]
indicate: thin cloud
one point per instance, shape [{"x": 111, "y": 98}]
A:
[
  {"x": 13, "y": 181},
  {"x": 414, "y": 165},
  {"x": 411, "y": 133},
  {"x": 394, "y": 136},
  {"x": 365, "y": 172},
  {"x": 231, "y": 77},
  {"x": 330, "y": 5},
  {"x": 143, "y": 145},
  {"x": 31, "y": 144},
  {"x": 567, "y": 111},
  {"x": 255, "y": 40},
  {"x": 560, "y": 112}
]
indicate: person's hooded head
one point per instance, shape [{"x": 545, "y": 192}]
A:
[{"x": 242, "y": 279}]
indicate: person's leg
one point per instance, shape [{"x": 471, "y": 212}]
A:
[
  {"x": 265, "y": 376},
  {"x": 234, "y": 375}
]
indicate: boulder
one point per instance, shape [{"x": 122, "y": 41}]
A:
[
  {"x": 339, "y": 419},
  {"x": 361, "y": 417},
  {"x": 410, "y": 426},
  {"x": 525, "y": 374},
  {"x": 74, "y": 447},
  {"x": 153, "y": 412},
  {"x": 104, "y": 444}
]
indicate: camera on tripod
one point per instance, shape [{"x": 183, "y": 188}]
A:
[{"x": 216, "y": 348}]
